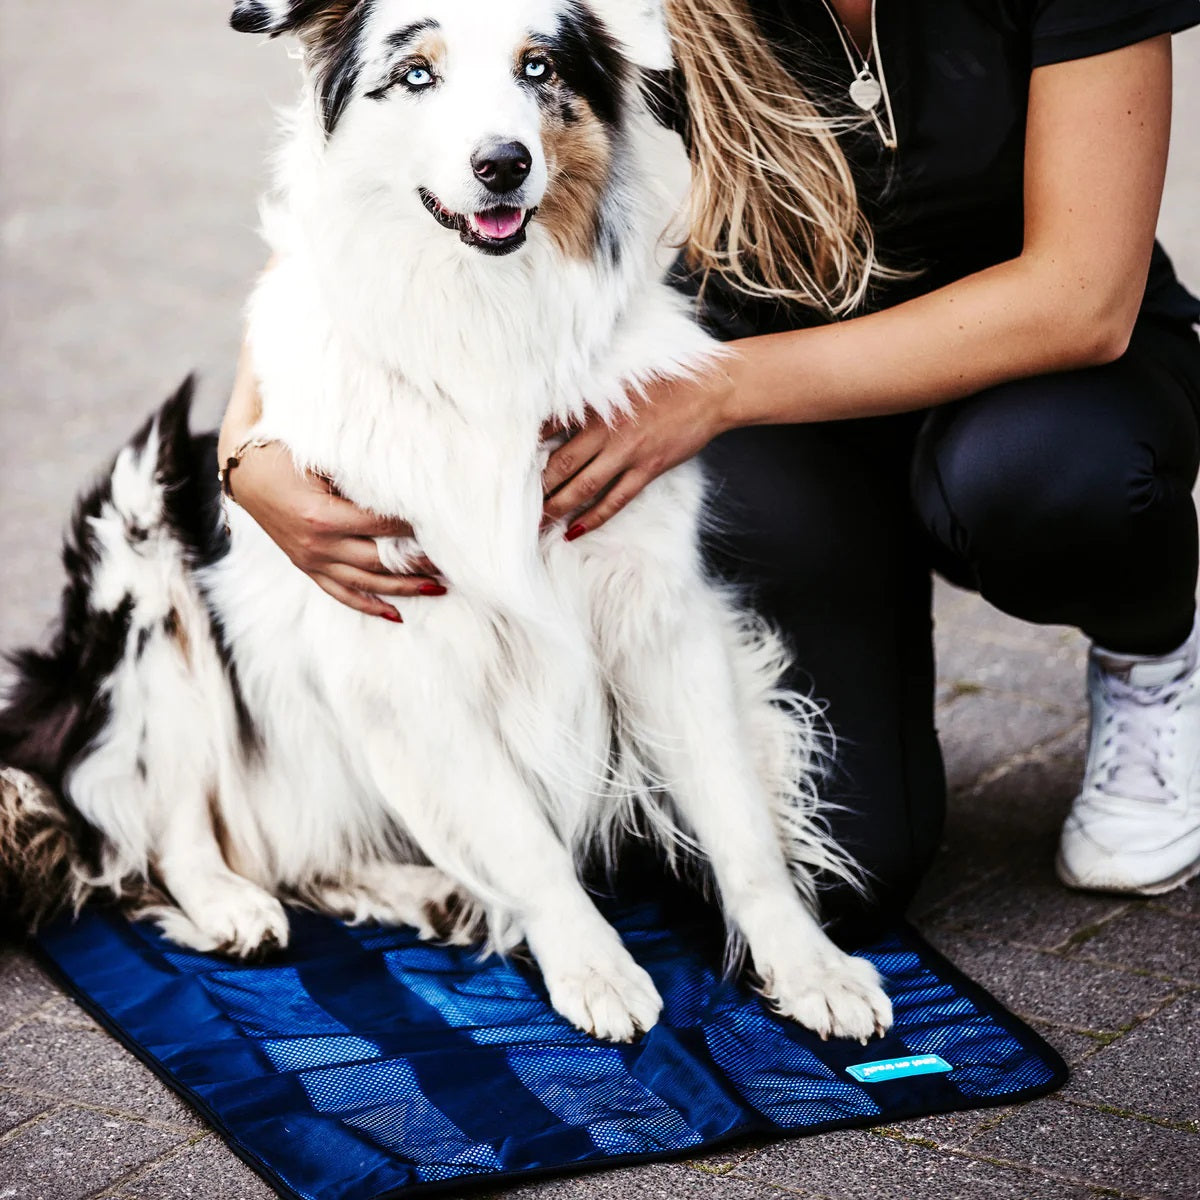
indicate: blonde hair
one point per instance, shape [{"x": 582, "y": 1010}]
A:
[{"x": 773, "y": 208}]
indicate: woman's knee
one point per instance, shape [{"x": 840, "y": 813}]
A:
[{"x": 1047, "y": 467}]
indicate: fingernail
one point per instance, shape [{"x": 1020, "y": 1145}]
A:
[
  {"x": 393, "y": 616},
  {"x": 432, "y": 589},
  {"x": 576, "y": 531}
]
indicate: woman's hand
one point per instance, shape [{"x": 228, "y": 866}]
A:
[
  {"x": 326, "y": 536},
  {"x": 602, "y": 468}
]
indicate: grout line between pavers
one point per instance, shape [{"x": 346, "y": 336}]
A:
[
  {"x": 1013, "y": 641},
  {"x": 104, "y": 1110},
  {"x": 1086, "y": 932},
  {"x": 84, "y": 1024},
  {"x": 146, "y": 1168},
  {"x": 1180, "y": 980},
  {"x": 1187, "y": 985},
  {"x": 1035, "y": 752},
  {"x": 1108, "y": 1037},
  {"x": 786, "y": 1188},
  {"x": 964, "y": 689},
  {"x": 1178, "y": 913},
  {"x": 1024, "y": 1168},
  {"x": 929, "y": 915},
  {"x": 29, "y": 1123},
  {"x": 1127, "y": 1114},
  {"x": 21, "y": 1021},
  {"x": 734, "y": 1161}
]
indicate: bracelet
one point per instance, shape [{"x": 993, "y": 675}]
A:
[{"x": 225, "y": 473}]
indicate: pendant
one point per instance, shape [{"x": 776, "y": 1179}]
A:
[{"x": 865, "y": 90}]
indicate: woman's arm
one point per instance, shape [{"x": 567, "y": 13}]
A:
[
  {"x": 1095, "y": 157},
  {"x": 327, "y": 537}
]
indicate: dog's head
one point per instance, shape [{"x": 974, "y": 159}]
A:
[{"x": 488, "y": 114}]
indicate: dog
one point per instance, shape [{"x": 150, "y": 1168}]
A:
[{"x": 463, "y": 252}]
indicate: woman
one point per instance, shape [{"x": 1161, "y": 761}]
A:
[{"x": 954, "y": 344}]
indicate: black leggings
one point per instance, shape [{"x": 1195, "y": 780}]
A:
[{"x": 1064, "y": 499}]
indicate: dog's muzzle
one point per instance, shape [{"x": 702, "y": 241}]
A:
[{"x": 499, "y": 229}]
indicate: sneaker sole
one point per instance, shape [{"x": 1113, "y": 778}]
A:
[{"x": 1158, "y": 888}]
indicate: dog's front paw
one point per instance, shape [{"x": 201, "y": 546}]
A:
[
  {"x": 234, "y": 917},
  {"x": 612, "y": 999},
  {"x": 835, "y": 995}
]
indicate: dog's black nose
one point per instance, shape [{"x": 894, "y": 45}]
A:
[{"x": 501, "y": 166}]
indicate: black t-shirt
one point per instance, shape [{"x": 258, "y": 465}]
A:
[{"x": 948, "y": 200}]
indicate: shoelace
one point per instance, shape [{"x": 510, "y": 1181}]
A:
[{"x": 1134, "y": 740}]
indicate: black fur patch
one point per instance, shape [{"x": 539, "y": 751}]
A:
[
  {"x": 664, "y": 94},
  {"x": 339, "y": 65},
  {"x": 590, "y": 62},
  {"x": 335, "y": 47},
  {"x": 58, "y": 705},
  {"x": 408, "y": 33},
  {"x": 251, "y": 16}
]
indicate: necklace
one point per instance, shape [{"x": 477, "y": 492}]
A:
[{"x": 866, "y": 90}]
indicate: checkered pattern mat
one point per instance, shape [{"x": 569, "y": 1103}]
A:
[{"x": 363, "y": 1063}]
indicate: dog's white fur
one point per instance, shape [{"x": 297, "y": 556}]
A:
[{"x": 560, "y": 693}]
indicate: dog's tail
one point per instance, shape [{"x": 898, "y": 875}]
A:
[
  {"x": 44, "y": 865},
  {"x": 152, "y": 506}
]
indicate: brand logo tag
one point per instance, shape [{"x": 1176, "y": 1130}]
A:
[{"x": 897, "y": 1068}]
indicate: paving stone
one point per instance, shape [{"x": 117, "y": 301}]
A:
[
  {"x": 1153, "y": 1069},
  {"x": 977, "y": 731},
  {"x": 1132, "y": 1156},
  {"x": 208, "y": 1170},
  {"x": 1184, "y": 901},
  {"x": 62, "y": 1010},
  {"x": 661, "y": 1181},
  {"x": 16, "y": 1109},
  {"x": 954, "y": 1129},
  {"x": 1028, "y": 904},
  {"x": 76, "y": 1152},
  {"x": 1047, "y": 665},
  {"x": 1005, "y": 824},
  {"x": 88, "y": 1067},
  {"x": 1074, "y": 1047},
  {"x": 1053, "y": 988},
  {"x": 1150, "y": 941},
  {"x": 970, "y": 616},
  {"x": 952, "y": 605},
  {"x": 24, "y": 986},
  {"x": 853, "y": 1165}
]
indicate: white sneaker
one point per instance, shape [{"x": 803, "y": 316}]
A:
[{"x": 1135, "y": 826}]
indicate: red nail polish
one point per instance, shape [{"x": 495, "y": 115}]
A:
[
  {"x": 394, "y": 617},
  {"x": 432, "y": 589},
  {"x": 576, "y": 531}
]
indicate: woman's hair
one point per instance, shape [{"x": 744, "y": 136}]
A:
[{"x": 773, "y": 208}]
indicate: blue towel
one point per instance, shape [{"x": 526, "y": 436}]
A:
[{"x": 363, "y": 1063}]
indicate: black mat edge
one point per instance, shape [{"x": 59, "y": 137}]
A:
[{"x": 1022, "y": 1032}]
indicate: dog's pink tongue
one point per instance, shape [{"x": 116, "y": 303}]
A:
[{"x": 499, "y": 223}]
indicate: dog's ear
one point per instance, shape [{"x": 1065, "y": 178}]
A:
[
  {"x": 274, "y": 17},
  {"x": 641, "y": 28}
]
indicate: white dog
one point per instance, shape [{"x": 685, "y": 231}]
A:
[{"x": 463, "y": 251}]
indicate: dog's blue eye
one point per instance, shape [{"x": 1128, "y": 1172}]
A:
[
  {"x": 418, "y": 77},
  {"x": 537, "y": 68}
]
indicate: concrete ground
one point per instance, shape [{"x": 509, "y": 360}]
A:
[{"x": 131, "y": 137}]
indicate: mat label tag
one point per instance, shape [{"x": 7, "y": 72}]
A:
[{"x": 897, "y": 1068}]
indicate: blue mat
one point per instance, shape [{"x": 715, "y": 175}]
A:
[{"x": 363, "y": 1063}]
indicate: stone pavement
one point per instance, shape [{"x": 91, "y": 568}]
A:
[{"x": 132, "y": 148}]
